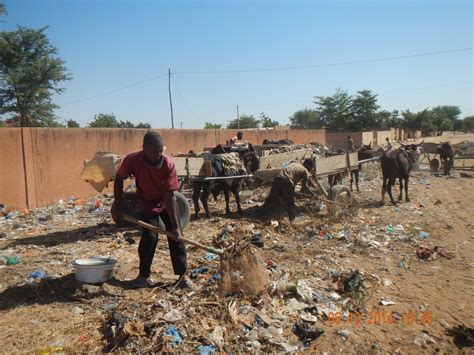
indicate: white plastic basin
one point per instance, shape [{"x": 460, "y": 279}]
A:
[{"x": 94, "y": 270}]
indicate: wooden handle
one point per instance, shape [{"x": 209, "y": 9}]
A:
[
  {"x": 321, "y": 187},
  {"x": 171, "y": 235}
]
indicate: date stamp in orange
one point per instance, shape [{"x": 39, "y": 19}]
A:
[{"x": 381, "y": 318}]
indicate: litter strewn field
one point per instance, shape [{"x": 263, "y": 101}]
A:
[{"x": 374, "y": 279}]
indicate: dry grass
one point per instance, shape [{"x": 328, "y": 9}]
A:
[{"x": 49, "y": 325}]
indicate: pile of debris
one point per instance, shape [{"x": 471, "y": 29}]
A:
[
  {"x": 308, "y": 280},
  {"x": 465, "y": 148}
]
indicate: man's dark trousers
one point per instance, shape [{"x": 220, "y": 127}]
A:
[
  {"x": 282, "y": 195},
  {"x": 149, "y": 241}
]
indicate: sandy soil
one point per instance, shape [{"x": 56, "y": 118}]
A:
[
  {"x": 438, "y": 292},
  {"x": 448, "y": 137}
]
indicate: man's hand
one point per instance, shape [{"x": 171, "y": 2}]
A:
[
  {"x": 177, "y": 233},
  {"x": 116, "y": 211}
]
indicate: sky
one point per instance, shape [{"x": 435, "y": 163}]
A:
[{"x": 264, "y": 56}]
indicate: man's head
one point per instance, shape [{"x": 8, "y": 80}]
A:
[
  {"x": 240, "y": 135},
  {"x": 153, "y": 146},
  {"x": 309, "y": 164},
  {"x": 386, "y": 139},
  {"x": 348, "y": 137}
]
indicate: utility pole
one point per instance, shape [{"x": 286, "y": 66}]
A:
[
  {"x": 181, "y": 124},
  {"x": 238, "y": 118},
  {"x": 171, "y": 102}
]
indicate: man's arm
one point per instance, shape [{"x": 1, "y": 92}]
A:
[
  {"x": 169, "y": 201},
  {"x": 306, "y": 183},
  {"x": 118, "y": 189},
  {"x": 116, "y": 210},
  {"x": 123, "y": 172},
  {"x": 311, "y": 182},
  {"x": 172, "y": 208}
]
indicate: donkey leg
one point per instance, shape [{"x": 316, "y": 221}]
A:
[
  {"x": 384, "y": 189},
  {"x": 196, "y": 194},
  {"x": 227, "y": 201},
  {"x": 400, "y": 196},
  {"x": 407, "y": 199},
  {"x": 204, "y": 197},
  {"x": 391, "y": 182},
  {"x": 235, "y": 191},
  {"x": 356, "y": 175}
]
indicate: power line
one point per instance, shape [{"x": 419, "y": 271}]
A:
[
  {"x": 327, "y": 64},
  {"x": 428, "y": 87},
  {"x": 375, "y": 91},
  {"x": 378, "y": 92},
  {"x": 171, "y": 102},
  {"x": 115, "y": 90},
  {"x": 270, "y": 69},
  {"x": 182, "y": 99}
]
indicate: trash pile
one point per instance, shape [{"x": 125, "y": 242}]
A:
[
  {"x": 465, "y": 148},
  {"x": 305, "y": 281}
]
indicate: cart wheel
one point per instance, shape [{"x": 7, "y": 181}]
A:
[
  {"x": 434, "y": 165},
  {"x": 335, "y": 195},
  {"x": 183, "y": 211},
  {"x": 130, "y": 202}
]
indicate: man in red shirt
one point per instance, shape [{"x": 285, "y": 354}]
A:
[{"x": 156, "y": 180}]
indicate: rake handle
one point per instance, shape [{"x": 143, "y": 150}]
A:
[{"x": 171, "y": 235}]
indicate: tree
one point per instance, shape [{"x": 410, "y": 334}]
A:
[
  {"x": 382, "y": 120},
  {"x": 458, "y": 125},
  {"x": 72, "y": 124},
  {"x": 468, "y": 124},
  {"x": 410, "y": 122},
  {"x": 109, "y": 120},
  {"x": 395, "y": 120},
  {"x": 427, "y": 123},
  {"x": 126, "y": 124},
  {"x": 363, "y": 112},
  {"x": 212, "y": 125},
  {"x": 306, "y": 118},
  {"x": 105, "y": 120},
  {"x": 30, "y": 73},
  {"x": 418, "y": 121},
  {"x": 334, "y": 111},
  {"x": 266, "y": 121},
  {"x": 3, "y": 9},
  {"x": 444, "y": 117},
  {"x": 245, "y": 122},
  {"x": 143, "y": 125}
]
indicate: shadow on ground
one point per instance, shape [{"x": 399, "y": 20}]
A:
[
  {"x": 71, "y": 236},
  {"x": 370, "y": 204},
  {"x": 63, "y": 289}
]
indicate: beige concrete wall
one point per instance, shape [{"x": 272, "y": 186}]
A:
[
  {"x": 42, "y": 165},
  {"x": 382, "y": 135},
  {"x": 339, "y": 139},
  {"x": 368, "y": 137},
  {"x": 57, "y": 155},
  {"x": 12, "y": 178},
  {"x": 258, "y": 136}
]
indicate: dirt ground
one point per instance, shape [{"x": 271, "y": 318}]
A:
[
  {"x": 450, "y": 137},
  {"x": 317, "y": 252}
]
